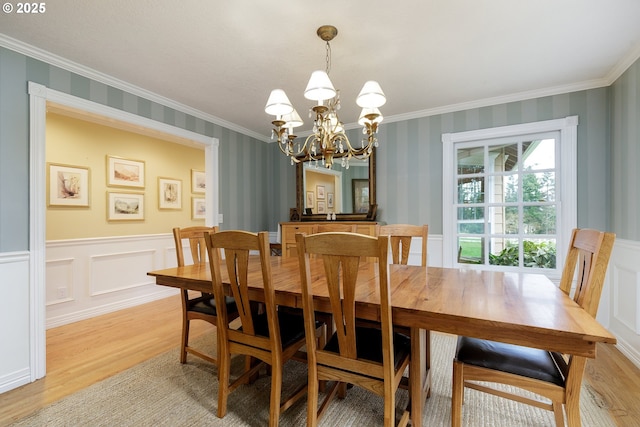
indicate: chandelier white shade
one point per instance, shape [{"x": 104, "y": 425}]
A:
[
  {"x": 319, "y": 87},
  {"x": 278, "y": 103},
  {"x": 327, "y": 140},
  {"x": 371, "y": 96}
]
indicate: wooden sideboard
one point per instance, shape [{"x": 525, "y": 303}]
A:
[{"x": 288, "y": 232}]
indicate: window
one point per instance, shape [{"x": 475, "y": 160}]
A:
[{"x": 510, "y": 196}]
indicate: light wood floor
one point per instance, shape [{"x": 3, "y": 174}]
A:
[{"x": 86, "y": 352}]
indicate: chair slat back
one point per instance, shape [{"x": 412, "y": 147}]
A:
[
  {"x": 401, "y": 236},
  {"x": 341, "y": 254},
  {"x": 197, "y": 246},
  {"x": 237, "y": 247},
  {"x": 586, "y": 262}
]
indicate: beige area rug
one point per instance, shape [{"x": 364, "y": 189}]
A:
[{"x": 162, "y": 392}]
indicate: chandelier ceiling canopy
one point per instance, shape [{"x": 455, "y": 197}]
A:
[{"x": 327, "y": 140}]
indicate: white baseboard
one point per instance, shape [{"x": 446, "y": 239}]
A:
[{"x": 64, "y": 319}]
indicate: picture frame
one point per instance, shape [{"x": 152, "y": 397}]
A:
[
  {"x": 320, "y": 192},
  {"x": 330, "y": 200},
  {"x": 198, "y": 181},
  {"x": 322, "y": 208},
  {"x": 169, "y": 193},
  {"x": 198, "y": 208},
  {"x": 68, "y": 185},
  {"x": 310, "y": 199},
  {"x": 360, "y": 194},
  {"x": 125, "y": 206},
  {"x": 125, "y": 172}
]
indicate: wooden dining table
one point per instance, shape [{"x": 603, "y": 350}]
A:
[{"x": 518, "y": 308}]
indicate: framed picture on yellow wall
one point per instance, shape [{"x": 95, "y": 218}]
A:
[
  {"x": 125, "y": 206},
  {"x": 169, "y": 193},
  {"x": 198, "y": 182},
  {"x": 310, "y": 199},
  {"x": 198, "y": 208},
  {"x": 124, "y": 172},
  {"x": 68, "y": 185}
]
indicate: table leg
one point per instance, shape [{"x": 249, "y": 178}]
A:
[{"x": 420, "y": 372}]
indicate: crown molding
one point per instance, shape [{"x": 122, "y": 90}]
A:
[
  {"x": 37, "y": 53},
  {"x": 624, "y": 64},
  {"x": 488, "y": 102},
  {"x": 58, "y": 61}
]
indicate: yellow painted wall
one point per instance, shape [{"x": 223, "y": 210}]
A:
[
  {"x": 313, "y": 180},
  {"x": 76, "y": 142}
]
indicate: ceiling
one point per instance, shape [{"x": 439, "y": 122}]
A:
[{"x": 224, "y": 57}]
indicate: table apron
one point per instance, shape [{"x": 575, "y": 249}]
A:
[
  {"x": 575, "y": 344},
  {"x": 565, "y": 343}
]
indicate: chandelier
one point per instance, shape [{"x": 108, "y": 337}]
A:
[{"x": 327, "y": 140}]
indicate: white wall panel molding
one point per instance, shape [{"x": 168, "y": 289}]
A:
[
  {"x": 107, "y": 240},
  {"x": 90, "y": 277},
  {"x": 88, "y": 313},
  {"x": 15, "y": 368},
  {"x": 13, "y": 257},
  {"x": 60, "y": 280},
  {"x": 118, "y": 271},
  {"x": 12, "y": 380},
  {"x": 624, "y": 293},
  {"x": 625, "y": 272}
]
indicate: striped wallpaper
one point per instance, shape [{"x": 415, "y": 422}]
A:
[
  {"x": 625, "y": 154},
  {"x": 409, "y": 173},
  {"x": 258, "y": 184}
]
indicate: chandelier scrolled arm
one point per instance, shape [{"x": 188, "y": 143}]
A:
[{"x": 328, "y": 140}]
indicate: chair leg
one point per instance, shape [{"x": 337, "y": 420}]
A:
[
  {"x": 224, "y": 369},
  {"x": 185, "y": 339},
  {"x": 312, "y": 397},
  {"x": 276, "y": 390},
  {"x": 457, "y": 394},
  {"x": 389, "y": 406},
  {"x": 572, "y": 407},
  {"x": 427, "y": 353},
  {"x": 557, "y": 413}
]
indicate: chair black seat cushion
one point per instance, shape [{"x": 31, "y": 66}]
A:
[
  {"x": 291, "y": 326},
  {"x": 369, "y": 345},
  {"x": 206, "y": 304},
  {"x": 524, "y": 361}
]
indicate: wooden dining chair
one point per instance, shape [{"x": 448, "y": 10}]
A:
[
  {"x": 202, "y": 307},
  {"x": 551, "y": 375},
  {"x": 373, "y": 358},
  {"x": 272, "y": 336},
  {"x": 401, "y": 236}
]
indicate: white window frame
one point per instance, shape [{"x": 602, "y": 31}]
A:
[{"x": 566, "y": 195}]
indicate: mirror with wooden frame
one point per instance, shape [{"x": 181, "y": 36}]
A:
[{"x": 349, "y": 193}]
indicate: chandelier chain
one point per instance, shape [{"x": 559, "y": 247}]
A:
[{"x": 328, "y": 58}]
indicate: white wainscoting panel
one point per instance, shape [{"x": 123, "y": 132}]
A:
[
  {"x": 90, "y": 277},
  {"x": 119, "y": 271},
  {"x": 624, "y": 272},
  {"x": 14, "y": 320},
  {"x": 59, "y": 276}
]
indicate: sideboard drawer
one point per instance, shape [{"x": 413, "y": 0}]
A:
[{"x": 289, "y": 229}]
